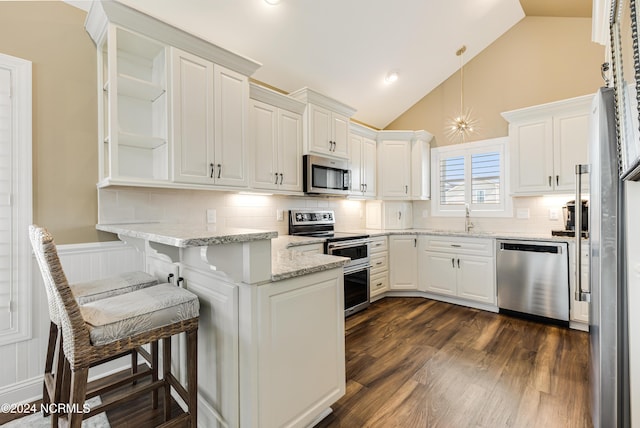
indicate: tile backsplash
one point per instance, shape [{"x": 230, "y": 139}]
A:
[
  {"x": 138, "y": 205},
  {"x": 531, "y": 215}
]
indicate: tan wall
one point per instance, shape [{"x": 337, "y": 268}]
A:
[
  {"x": 65, "y": 157},
  {"x": 539, "y": 60}
]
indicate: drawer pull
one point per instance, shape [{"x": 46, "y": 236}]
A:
[
  {"x": 378, "y": 264},
  {"x": 379, "y": 284},
  {"x": 456, "y": 245}
]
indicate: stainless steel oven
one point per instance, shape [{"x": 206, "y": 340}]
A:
[
  {"x": 354, "y": 246},
  {"x": 356, "y": 272}
]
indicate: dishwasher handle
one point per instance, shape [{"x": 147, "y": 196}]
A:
[{"x": 531, "y": 248}]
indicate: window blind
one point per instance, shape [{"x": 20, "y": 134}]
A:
[
  {"x": 452, "y": 172},
  {"x": 486, "y": 182}
]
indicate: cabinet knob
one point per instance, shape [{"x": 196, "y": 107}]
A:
[
  {"x": 281, "y": 178},
  {"x": 276, "y": 174},
  {"x": 212, "y": 169},
  {"x": 406, "y": 189},
  {"x": 219, "y": 170},
  {"x": 453, "y": 263},
  {"x": 557, "y": 180},
  {"x": 549, "y": 181}
]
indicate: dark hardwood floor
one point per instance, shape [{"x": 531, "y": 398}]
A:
[
  {"x": 413, "y": 362},
  {"x": 419, "y": 363}
]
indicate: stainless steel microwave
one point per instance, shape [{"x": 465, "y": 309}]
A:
[{"x": 325, "y": 176}]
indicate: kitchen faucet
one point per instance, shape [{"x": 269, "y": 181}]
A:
[{"x": 468, "y": 225}]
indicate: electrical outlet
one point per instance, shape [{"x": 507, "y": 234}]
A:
[
  {"x": 280, "y": 215},
  {"x": 425, "y": 213},
  {"x": 211, "y": 215},
  {"x": 554, "y": 213},
  {"x": 522, "y": 213}
]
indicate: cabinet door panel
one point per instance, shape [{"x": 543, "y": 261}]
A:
[
  {"x": 403, "y": 255},
  {"x": 532, "y": 163},
  {"x": 263, "y": 119},
  {"x": 192, "y": 117},
  {"x": 571, "y": 136},
  {"x": 476, "y": 278},
  {"x": 231, "y": 96},
  {"x": 395, "y": 160},
  {"x": 319, "y": 130},
  {"x": 340, "y": 131},
  {"x": 290, "y": 150},
  {"x": 355, "y": 164},
  {"x": 369, "y": 156},
  {"x": 438, "y": 273}
]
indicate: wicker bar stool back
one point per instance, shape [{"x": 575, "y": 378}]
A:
[
  {"x": 85, "y": 292},
  {"x": 106, "y": 328}
]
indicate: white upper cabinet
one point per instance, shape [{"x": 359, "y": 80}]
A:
[
  {"x": 192, "y": 118},
  {"x": 133, "y": 131},
  {"x": 209, "y": 115},
  {"x": 421, "y": 166},
  {"x": 394, "y": 169},
  {"x": 326, "y": 124},
  {"x": 231, "y": 98},
  {"x": 363, "y": 160},
  {"x": 546, "y": 142},
  {"x": 404, "y": 165},
  {"x": 275, "y": 128},
  {"x": 174, "y": 107}
]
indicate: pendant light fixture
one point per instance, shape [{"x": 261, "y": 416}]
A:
[{"x": 463, "y": 125}]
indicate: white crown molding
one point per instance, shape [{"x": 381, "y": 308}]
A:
[
  {"x": 310, "y": 96},
  {"x": 112, "y": 12},
  {"x": 271, "y": 97}
]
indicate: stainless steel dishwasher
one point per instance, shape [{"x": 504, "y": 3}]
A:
[{"x": 533, "y": 278}]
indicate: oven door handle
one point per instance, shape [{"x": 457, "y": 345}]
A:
[
  {"x": 348, "y": 244},
  {"x": 352, "y": 269}
]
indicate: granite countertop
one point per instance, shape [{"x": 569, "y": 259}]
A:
[
  {"x": 460, "y": 233},
  {"x": 289, "y": 263},
  {"x": 186, "y": 235}
]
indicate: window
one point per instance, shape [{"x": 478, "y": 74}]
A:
[
  {"x": 15, "y": 199},
  {"x": 473, "y": 175}
]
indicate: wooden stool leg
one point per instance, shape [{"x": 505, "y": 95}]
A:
[
  {"x": 58, "y": 375},
  {"x": 134, "y": 364},
  {"x": 154, "y": 373},
  {"x": 192, "y": 376},
  {"x": 65, "y": 383},
  {"x": 48, "y": 364},
  {"x": 78, "y": 395},
  {"x": 166, "y": 370}
]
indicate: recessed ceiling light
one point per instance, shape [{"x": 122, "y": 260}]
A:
[
  {"x": 391, "y": 77},
  {"x": 272, "y": 2}
]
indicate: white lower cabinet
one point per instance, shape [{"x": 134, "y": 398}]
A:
[
  {"x": 403, "y": 262},
  {"x": 302, "y": 358},
  {"x": 458, "y": 267},
  {"x": 379, "y": 276}
]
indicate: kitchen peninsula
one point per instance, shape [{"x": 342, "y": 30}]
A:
[{"x": 271, "y": 334}]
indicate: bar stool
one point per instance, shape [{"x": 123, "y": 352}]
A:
[
  {"x": 103, "y": 329},
  {"x": 86, "y": 292}
]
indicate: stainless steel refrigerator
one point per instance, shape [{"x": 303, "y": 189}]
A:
[{"x": 607, "y": 281}]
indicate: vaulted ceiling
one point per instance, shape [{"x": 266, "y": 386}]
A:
[{"x": 345, "y": 48}]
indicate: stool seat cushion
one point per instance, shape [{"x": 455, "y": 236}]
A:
[
  {"x": 89, "y": 291},
  {"x": 140, "y": 311}
]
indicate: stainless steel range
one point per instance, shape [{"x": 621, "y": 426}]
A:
[{"x": 320, "y": 223}]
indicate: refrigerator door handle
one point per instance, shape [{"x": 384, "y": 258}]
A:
[{"x": 582, "y": 296}]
